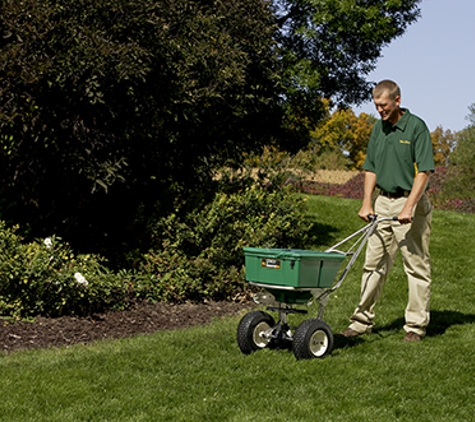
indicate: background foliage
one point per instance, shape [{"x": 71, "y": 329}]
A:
[
  {"x": 123, "y": 122},
  {"x": 458, "y": 189},
  {"x": 193, "y": 258},
  {"x": 443, "y": 142},
  {"x": 45, "y": 277},
  {"x": 113, "y": 112},
  {"x": 345, "y": 132}
]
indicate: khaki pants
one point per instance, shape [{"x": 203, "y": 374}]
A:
[{"x": 413, "y": 242}]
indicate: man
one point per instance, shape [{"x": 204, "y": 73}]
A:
[{"x": 399, "y": 162}]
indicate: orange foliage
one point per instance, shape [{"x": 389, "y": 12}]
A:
[
  {"x": 345, "y": 131},
  {"x": 443, "y": 143}
]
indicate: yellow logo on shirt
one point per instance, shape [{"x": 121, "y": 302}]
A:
[{"x": 402, "y": 141}]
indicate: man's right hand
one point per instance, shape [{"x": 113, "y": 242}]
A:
[{"x": 365, "y": 213}]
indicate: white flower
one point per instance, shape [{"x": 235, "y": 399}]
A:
[
  {"x": 81, "y": 279},
  {"x": 48, "y": 242}
]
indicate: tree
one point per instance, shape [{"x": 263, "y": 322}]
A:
[
  {"x": 460, "y": 180},
  {"x": 330, "y": 46},
  {"x": 443, "y": 143},
  {"x": 113, "y": 111},
  {"x": 327, "y": 48},
  {"x": 347, "y": 134},
  {"x": 110, "y": 109}
]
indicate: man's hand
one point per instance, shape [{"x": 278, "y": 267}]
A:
[
  {"x": 365, "y": 212},
  {"x": 405, "y": 217},
  {"x": 418, "y": 189}
]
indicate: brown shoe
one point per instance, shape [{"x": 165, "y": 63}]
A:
[
  {"x": 349, "y": 333},
  {"x": 412, "y": 337}
]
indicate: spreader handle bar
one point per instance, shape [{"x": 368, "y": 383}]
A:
[
  {"x": 366, "y": 232},
  {"x": 368, "y": 228}
]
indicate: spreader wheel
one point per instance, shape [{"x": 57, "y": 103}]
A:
[
  {"x": 313, "y": 339},
  {"x": 251, "y": 330}
]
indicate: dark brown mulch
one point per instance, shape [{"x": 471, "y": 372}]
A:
[{"x": 141, "y": 319}]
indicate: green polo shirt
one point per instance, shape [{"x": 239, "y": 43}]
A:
[{"x": 397, "y": 152}]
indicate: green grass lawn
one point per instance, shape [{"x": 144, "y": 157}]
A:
[{"x": 199, "y": 374}]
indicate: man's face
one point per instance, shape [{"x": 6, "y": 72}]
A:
[{"x": 387, "y": 107}]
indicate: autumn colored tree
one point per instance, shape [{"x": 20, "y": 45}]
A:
[
  {"x": 345, "y": 133},
  {"x": 443, "y": 142}
]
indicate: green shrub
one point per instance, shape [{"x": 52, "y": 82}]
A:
[
  {"x": 201, "y": 256},
  {"x": 194, "y": 257},
  {"x": 47, "y": 278}
]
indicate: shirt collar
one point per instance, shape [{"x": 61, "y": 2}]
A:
[{"x": 402, "y": 122}]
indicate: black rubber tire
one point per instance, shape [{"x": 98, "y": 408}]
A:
[
  {"x": 249, "y": 329},
  {"x": 313, "y": 338}
]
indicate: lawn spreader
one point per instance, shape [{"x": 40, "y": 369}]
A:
[{"x": 294, "y": 277}]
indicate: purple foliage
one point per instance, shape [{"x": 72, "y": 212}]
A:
[
  {"x": 436, "y": 181},
  {"x": 457, "y": 204},
  {"x": 316, "y": 188},
  {"x": 353, "y": 189}
]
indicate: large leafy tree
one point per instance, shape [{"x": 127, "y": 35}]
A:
[
  {"x": 328, "y": 47},
  {"x": 111, "y": 110}
]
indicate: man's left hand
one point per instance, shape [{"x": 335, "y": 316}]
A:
[{"x": 405, "y": 217}]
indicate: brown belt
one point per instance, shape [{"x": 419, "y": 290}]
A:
[{"x": 396, "y": 195}]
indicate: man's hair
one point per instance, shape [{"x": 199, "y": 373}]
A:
[{"x": 391, "y": 87}]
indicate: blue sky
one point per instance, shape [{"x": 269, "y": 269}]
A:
[{"x": 434, "y": 64}]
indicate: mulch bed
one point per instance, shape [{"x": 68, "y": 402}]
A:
[{"x": 143, "y": 318}]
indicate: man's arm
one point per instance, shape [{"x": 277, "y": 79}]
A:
[
  {"x": 418, "y": 189},
  {"x": 369, "y": 186}
]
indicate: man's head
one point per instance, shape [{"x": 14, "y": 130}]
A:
[{"x": 387, "y": 99}]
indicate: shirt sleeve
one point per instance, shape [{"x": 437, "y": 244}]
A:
[
  {"x": 423, "y": 149},
  {"x": 369, "y": 163}
]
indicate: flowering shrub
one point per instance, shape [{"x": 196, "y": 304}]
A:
[
  {"x": 314, "y": 188},
  {"x": 457, "y": 204},
  {"x": 47, "y": 278},
  {"x": 435, "y": 186},
  {"x": 196, "y": 257}
]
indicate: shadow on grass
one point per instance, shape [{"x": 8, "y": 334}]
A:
[
  {"x": 340, "y": 342},
  {"x": 324, "y": 234},
  {"x": 440, "y": 322}
]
